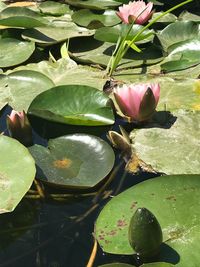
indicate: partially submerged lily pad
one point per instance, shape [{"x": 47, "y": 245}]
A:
[
  {"x": 73, "y": 104},
  {"x": 76, "y": 161},
  {"x": 174, "y": 200},
  {"x": 16, "y": 173}
]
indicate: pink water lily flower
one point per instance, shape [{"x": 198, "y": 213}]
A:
[
  {"x": 137, "y": 11},
  {"x": 137, "y": 101},
  {"x": 19, "y": 127}
]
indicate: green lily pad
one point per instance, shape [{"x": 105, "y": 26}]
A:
[
  {"x": 66, "y": 71},
  {"x": 95, "y": 52},
  {"x": 73, "y": 104},
  {"x": 52, "y": 35},
  {"x": 111, "y": 34},
  {"x": 174, "y": 200},
  {"x": 54, "y": 8},
  {"x": 87, "y": 18},
  {"x": 182, "y": 55},
  {"x": 19, "y": 88},
  {"x": 185, "y": 15},
  {"x": 14, "y": 52},
  {"x": 178, "y": 32},
  {"x": 21, "y": 17},
  {"x": 93, "y": 4},
  {"x": 168, "y": 18},
  {"x": 16, "y": 173},
  {"x": 157, "y": 146},
  {"x": 77, "y": 160}
]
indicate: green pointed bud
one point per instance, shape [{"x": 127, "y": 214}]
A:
[{"x": 145, "y": 233}]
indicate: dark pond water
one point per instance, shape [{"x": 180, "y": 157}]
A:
[{"x": 55, "y": 233}]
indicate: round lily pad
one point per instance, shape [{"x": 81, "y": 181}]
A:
[
  {"x": 174, "y": 200},
  {"x": 73, "y": 104},
  {"x": 76, "y": 161},
  {"x": 17, "y": 172},
  {"x": 14, "y": 52}
]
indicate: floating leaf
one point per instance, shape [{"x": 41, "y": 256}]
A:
[
  {"x": 21, "y": 17},
  {"x": 14, "y": 52},
  {"x": 157, "y": 146},
  {"x": 77, "y": 160},
  {"x": 55, "y": 34},
  {"x": 95, "y": 52},
  {"x": 87, "y": 18},
  {"x": 16, "y": 173},
  {"x": 93, "y": 4},
  {"x": 185, "y": 15},
  {"x": 178, "y": 32},
  {"x": 73, "y": 104},
  {"x": 111, "y": 34},
  {"x": 175, "y": 202},
  {"x": 66, "y": 71},
  {"x": 54, "y": 8},
  {"x": 182, "y": 55},
  {"x": 19, "y": 88}
]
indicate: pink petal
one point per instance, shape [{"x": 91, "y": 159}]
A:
[{"x": 138, "y": 10}]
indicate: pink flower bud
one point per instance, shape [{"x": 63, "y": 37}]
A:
[
  {"x": 19, "y": 127},
  {"x": 137, "y": 11},
  {"x": 137, "y": 101}
]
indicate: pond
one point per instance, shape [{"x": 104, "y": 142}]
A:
[{"x": 99, "y": 123}]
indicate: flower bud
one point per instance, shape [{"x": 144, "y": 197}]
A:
[
  {"x": 137, "y": 11},
  {"x": 19, "y": 127},
  {"x": 145, "y": 233},
  {"x": 139, "y": 101}
]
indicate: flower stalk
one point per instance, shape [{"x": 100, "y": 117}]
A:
[{"x": 121, "y": 49}]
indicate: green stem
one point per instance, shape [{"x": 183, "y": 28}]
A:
[
  {"x": 118, "y": 58},
  {"x": 119, "y": 51}
]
